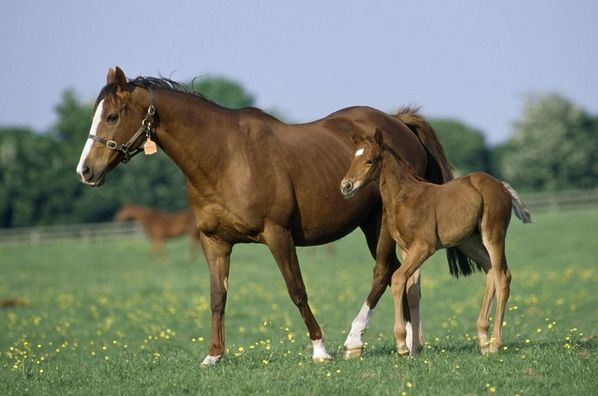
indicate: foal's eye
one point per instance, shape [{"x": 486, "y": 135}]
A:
[{"x": 112, "y": 117}]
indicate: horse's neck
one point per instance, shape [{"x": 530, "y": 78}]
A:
[
  {"x": 195, "y": 134},
  {"x": 397, "y": 183}
]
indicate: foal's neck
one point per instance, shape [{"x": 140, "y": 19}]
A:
[{"x": 397, "y": 181}]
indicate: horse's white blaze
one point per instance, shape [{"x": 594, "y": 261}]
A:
[
  {"x": 358, "y": 327},
  {"x": 320, "y": 353},
  {"x": 97, "y": 118},
  {"x": 359, "y": 152}
]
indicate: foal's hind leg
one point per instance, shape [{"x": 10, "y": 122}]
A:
[
  {"x": 502, "y": 282},
  {"x": 475, "y": 250}
]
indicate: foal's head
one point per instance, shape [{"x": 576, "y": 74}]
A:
[{"x": 365, "y": 166}]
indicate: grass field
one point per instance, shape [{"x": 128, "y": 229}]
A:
[{"x": 105, "y": 318}]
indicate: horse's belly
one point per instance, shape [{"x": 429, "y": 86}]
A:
[{"x": 328, "y": 220}]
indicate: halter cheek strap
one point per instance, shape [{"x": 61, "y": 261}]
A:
[{"x": 145, "y": 128}]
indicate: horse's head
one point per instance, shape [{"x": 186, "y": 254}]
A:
[
  {"x": 124, "y": 213},
  {"x": 365, "y": 166},
  {"x": 121, "y": 122}
]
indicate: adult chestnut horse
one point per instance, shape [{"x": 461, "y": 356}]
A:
[
  {"x": 253, "y": 178},
  {"x": 159, "y": 225}
]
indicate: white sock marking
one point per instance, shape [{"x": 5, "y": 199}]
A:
[
  {"x": 320, "y": 353},
  {"x": 211, "y": 360},
  {"x": 358, "y": 327}
]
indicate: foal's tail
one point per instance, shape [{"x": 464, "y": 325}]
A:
[
  {"x": 439, "y": 171},
  {"x": 518, "y": 206}
]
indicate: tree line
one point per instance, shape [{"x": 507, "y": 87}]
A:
[{"x": 554, "y": 146}]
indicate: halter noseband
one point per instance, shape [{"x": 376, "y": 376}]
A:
[{"x": 145, "y": 128}]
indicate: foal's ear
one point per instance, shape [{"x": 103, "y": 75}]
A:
[{"x": 379, "y": 139}]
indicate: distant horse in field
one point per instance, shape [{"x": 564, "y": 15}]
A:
[
  {"x": 471, "y": 213},
  {"x": 159, "y": 225},
  {"x": 254, "y": 179}
]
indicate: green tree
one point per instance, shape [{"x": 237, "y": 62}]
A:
[
  {"x": 465, "y": 146},
  {"x": 26, "y": 171},
  {"x": 555, "y": 146}
]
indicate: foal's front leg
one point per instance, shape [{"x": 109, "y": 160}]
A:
[
  {"x": 413, "y": 259},
  {"x": 281, "y": 244},
  {"x": 218, "y": 258},
  {"x": 382, "y": 247}
]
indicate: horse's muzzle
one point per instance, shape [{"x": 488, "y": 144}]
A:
[{"x": 90, "y": 178}]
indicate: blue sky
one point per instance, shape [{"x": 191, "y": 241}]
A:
[{"x": 468, "y": 60}]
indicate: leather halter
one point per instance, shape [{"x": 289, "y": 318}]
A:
[{"x": 145, "y": 128}]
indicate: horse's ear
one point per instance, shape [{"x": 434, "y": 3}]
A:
[
  {"x": 119, "y": 77},
  {"x": 110, "y": 78},
  {"x": 378, "y": 137}
]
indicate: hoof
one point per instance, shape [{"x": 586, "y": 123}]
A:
[
  {"x": 416, "y": 351},
  {"x": 322, "y": 358},
  {"x": 488, "y": 349},
  {"x": 210, "y": 360},
  {"x": 352, "y": 353},
  {"x": 403, "y": 352}
]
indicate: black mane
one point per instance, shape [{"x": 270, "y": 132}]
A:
[{"x": 153, "y": 83}]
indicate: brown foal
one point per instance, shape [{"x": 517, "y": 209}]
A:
[{"x": 471, "y": 213}]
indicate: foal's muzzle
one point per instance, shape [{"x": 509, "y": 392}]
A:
[{"x": 348, "y": 188}]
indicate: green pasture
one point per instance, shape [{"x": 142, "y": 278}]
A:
[{"x": 107, "y": 318}]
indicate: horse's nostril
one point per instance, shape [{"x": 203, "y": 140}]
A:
[
  {"x": 85, "y": 171},
  {"x": 348, "y": 186}
]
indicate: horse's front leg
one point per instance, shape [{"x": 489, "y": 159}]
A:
[
  {"x": 218, "y": 258},
  {"x": 281, "y": 244}
]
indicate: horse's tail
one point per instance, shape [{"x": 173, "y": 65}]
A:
[
  {"x": 439, "y": 171},
  {"x": 518, "y": 206}
]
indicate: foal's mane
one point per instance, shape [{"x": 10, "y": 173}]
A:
[{"x": 403, "y": 163}]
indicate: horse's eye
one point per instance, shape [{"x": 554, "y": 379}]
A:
[
  {"x": 112, "y": 117},
  {"x": 368, "y": 162}
]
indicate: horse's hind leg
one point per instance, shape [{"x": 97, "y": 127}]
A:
[{"x": 281, "y": 244}]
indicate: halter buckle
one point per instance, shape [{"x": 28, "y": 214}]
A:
[{"x": 112, "y": 145}]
